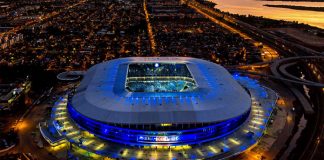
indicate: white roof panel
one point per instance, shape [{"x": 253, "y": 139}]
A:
[{"x": 102, "y": 95}]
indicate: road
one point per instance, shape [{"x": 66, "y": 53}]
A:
[
  {"x": 149, "y": 29},
  {"x": 25, "y": 129},
  {"x": 285, "y": 103},
  {"x": 314, "y": 145},
  {"x": 28, "y": 133},
  {"x": 268, "y": 53}
]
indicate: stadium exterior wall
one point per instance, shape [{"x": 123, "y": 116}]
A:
[{"x": 145, "y": 137}]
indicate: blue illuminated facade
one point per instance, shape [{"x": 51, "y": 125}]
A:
[{"x": 144, "y": 137}]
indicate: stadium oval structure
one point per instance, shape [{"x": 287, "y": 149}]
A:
[{"x": 159, "y": 100}]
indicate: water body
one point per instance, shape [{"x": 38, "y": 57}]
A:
[{"x": 256, "y": 8}]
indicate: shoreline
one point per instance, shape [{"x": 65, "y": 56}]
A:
[
  {"x": 294, "y": 0},
  {"x": 304, "y": 8}
]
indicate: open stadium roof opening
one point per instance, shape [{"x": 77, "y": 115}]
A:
[{"x": 159, "y": 77}]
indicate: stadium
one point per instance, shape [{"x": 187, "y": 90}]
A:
[{"x": 169, "y": 101}]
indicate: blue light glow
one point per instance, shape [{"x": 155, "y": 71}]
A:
[{"x": 143, "y": 137}]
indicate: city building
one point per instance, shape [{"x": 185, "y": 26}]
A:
[{"x": 11, "y": 93}]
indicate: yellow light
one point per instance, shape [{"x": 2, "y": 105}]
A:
[
  {"x": 87, "y": 134},
  {"x": 182, "y": 147},
  {"x": 66, "y": 123},
  {"x": 61, "y": 113},
  {"x": 100, "y": 146},
  {"x": 256, "y": 122},
  {"x": 223, "y": 144},
  {"x": 88, "y": 142},
  {"x": 246, "y": 131},
  {"x": 125, "y": 153},
  {"x": 72, "y": 133},
  {"x": 236, "y": 142},
  {"x": 212, "y": 149},
  {"x": 257, "y": 111},
  {"x": 68, "y": 127},
  {"x": 254, "y": 127},
  {"x": 186, "y": 147},
  {"x": 139, "y": 154},
  {"x": 58, "y": 147},
  {"x": 176, "y": 148},
  {"x": 256, "y": 107},
  {"x": 199, "y": 152},
  {"x": 170, "y": 154},
  {"x": 154, "y": 155},
  {"x": 60, "y": 118},
  {"x": 60, "y": 108},
  {"x": 166, "y": 124},
  {"x": 258, "y": 118}
]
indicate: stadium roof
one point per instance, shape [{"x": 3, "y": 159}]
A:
[{"x": 102, "y": 95}]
